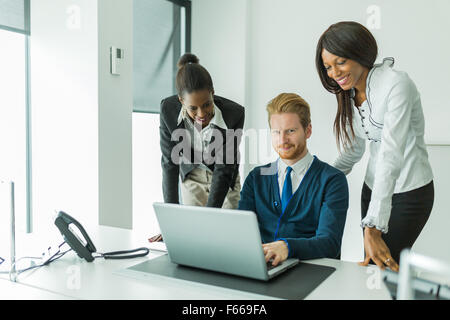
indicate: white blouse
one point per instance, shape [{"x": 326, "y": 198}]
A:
[
  {"x": 392, "y": 120},
  {"x": 200, "y": 139}
]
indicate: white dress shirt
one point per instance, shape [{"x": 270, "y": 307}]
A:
[
  {"x": 392, "y": 120},
  {"x": 299, "y": 170},
  {"x": 201, "y": 138}
]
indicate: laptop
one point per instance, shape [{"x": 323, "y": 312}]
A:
[{"x": 221, "y": 240}]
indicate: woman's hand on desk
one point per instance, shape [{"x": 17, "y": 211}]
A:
[
  {"x": 278, "y": 251},
  {"x": 377, "y": 250},
  {"x": 156, "y": 238}
]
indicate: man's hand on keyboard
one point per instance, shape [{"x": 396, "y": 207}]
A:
[{"x": 278, "y": 251}]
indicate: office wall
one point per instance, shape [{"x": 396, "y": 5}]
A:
[
  {"x": 115, "y": 105},
  {"x": 81, "y": 114},
  {"x": 435, "y": 237},
  {"x": 225, "y": 47},
  {"x": 280, "y": 39}
]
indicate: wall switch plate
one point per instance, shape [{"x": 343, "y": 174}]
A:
[{"x": 116, "y": 59}]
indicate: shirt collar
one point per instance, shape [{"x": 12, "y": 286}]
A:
[
  {"x": 181, "y": 115},
  {"x": 386, "y": 63},
  {"x": 216, "y": 120},
  {"x": 299, "y": 167}
]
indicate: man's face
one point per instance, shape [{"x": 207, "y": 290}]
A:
[{"x": 288, "y": 136}]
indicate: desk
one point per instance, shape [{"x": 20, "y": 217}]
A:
[
  {"x": 75, "y": 278},
  {"x": 13, "y": 290}
]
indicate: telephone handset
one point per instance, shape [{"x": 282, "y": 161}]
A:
[
  {"x": 78, "y": 239},
  {"x": 80, "y": 243}
]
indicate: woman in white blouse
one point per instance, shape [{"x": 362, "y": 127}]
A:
[{"x": 382, "y": 105}]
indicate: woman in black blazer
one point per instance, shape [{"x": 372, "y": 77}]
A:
[{"x": 200, "y": 135}]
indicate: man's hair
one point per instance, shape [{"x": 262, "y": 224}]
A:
[{"x": 290, "y": 103}]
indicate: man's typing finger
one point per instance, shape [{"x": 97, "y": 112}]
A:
[
  {"x": 269, "y": 255},
  {"x": 276, "y": 260}
]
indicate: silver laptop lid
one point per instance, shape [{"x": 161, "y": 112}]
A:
[{"x": 222, "y": 240}]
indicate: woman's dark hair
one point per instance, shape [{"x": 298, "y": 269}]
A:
[
  {"x": 349, "y": 40},
  {"x": 191, "y": 76}
]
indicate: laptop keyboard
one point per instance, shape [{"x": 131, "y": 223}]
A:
[{"x": 270, "y": 266}]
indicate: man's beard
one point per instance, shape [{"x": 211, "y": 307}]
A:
[{"x": 293, "y": 153}]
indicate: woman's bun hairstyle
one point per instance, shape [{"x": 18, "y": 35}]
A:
[
  {"x": 187, "y": 58},
  {"x": 192, "y": 76}
]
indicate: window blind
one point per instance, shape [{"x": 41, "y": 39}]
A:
[
  {"x": 158, "y": 42},
  {"x": 15, "y": 16}
]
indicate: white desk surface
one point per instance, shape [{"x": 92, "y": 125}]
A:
[
  {"x": 17, "y": 291},
  {"x": 97, "y": 280}
]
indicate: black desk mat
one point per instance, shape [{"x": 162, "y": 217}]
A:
[{"x": 293, "y": 284}]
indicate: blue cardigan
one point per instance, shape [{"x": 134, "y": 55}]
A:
[{"x": 313, "y": 221}]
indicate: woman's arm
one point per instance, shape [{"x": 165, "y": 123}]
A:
[
  {"x": 351, "y": 155},
  {"x": 170, "y": 171},
  {"x": 225, "y": 169}
]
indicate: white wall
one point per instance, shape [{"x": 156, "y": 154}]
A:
[
  {"x": 274, "y": 44},
  {"x": 435, "y": 237},
  {"x": 81, "y": 114},
  {"x": 225, "y": 48}
]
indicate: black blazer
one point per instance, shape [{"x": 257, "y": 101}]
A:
[{"x": 224, "y": 173}]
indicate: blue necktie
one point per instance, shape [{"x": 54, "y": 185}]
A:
[{"x": 287, "y": 189}]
